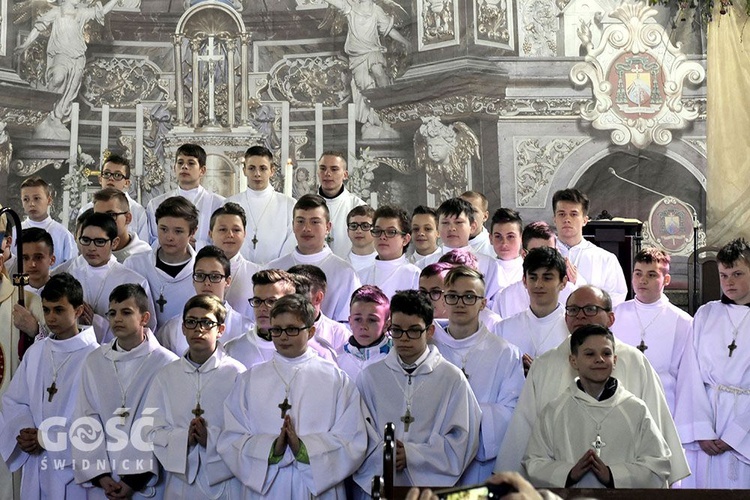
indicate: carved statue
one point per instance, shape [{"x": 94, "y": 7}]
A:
[
  {"x": 445, "y": 152},
  {"x": 6, "y": 149},
  {"x": 66, "y": 55},
  {"x": 367, "y": 20}
]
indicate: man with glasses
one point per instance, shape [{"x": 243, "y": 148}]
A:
[
  {"x": 114, "y": 203},
  {"x": 100, "y": 273},
  {"x": 358, "y": 225},
  {"x": 551, "y": 373}
]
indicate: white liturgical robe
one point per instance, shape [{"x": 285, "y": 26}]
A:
[
  {"x": 361, "y": 262},
  {"x": 203, "y": 199},
  {"x": 62, "y": 239},
  {"x": 495, "y": 373},
  {"x": 631, "y": 444},
  {"x": 269, "y": 222},
  {"x": 339, "y": 207},
  {"x": 391, "y": 275},
  {"x": 136, "y": 245},
  {"x": 178, "y": 388},
  {"x": 598, "y": 267},
  {"x": 42, "y": 395},
  {"x": 249, "y": 349},
  {"x": 481, "y": 244},
  {"x": 241, "y": 290},
  {"x": 327, "y": 414},
  {"x": 513, "y": 268},
  {"x": 532, "y": 335},
  {"x": 443, "y": 429}
]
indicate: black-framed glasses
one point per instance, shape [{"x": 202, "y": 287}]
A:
[
  {"x": 256, "y": 301},
  {"x": 433, "y": 294},
  {"x": 291, "y": 331},
  {"x": 364, "y": 226},
  {"x": 469, "y": 299},
  {"x": 115, "y": 215},
  {"x": 114, "y": 175},
  {"x": 212, "y": 277},
  {"x": 98, "y": 242},
  {"x": 203, "y": 323},
  {"x": 389, "y": 233},
  {"x": 412, "y": 333},
  {"x": 589, "y": 310}
]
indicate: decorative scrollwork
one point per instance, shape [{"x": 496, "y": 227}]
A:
[
  {"x": 121, "y": 82},
  {"x": 492, "y": 20},
  {"x": 23, "y": 117},
  {"x": 75, "y": 182},
  {"x": 305, "y": 81},
  {"x": 363, "y": 174},
  {"x": 536, "y": 161}
]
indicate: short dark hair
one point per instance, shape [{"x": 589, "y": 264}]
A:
[
  {"x": 733, "y": 251},
  {"x": 578, "y": 337},
  {"x": 505, "y": 216},
  {"x": 259, "y": 150},
  {"x": 311, "y": 202},
  {"x": 36, "y": 181},
  {"x": 455, "y": 207},
  {"x": 193, "y": 150},
  {"x": 229, "y": 208},
  {"x": 413, "y": 303},
  {"x": 544, "y": 257},
  {"x": 178, "y": 207},
  {"x": 296, "y": 304},
  {"x": 208, "y": 302},
  {"x": 317, "y": 277},
  {"x": 361, "y": 211},
  {"x": 336, "y": 153},
  {"x": 214, "y": 252},
  {"x": 107, "y": 194},
  {"x": 118, "y": 160},
  {"x": 571, "y": 195},
  {"x": 63, "y": 285},
  {"x": 103, "y": 221},
  {"x": 652, "y": 255},
  {"x": 38, "y": 235},
  {"x": 398, "y": 213},
  {"x": 538, "y": 229},
  {"x": 425, "y": 210},
  {"x": 121, "y": 293},
  {"x": 271, "y": 276},
  {"x": 303, "y": 285},
  {"x": 476, "y": 195}
]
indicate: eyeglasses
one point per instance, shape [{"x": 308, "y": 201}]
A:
[
  {"x": 213, "y": 277},
  {"x": 115, "y": 215},
  {"x": 256, "y": 302},
  {"x": 98, "y": 242},
  {"x": 434, "y": 294},
  {"x": 469, "y": 299},
  {"x": 114, "y": 175},
  {"x": 412, "y": 333},
  {"x": 291, "y": 331},
  {"x": 590, "y": 310},
  {"x": 203, "y": 324},
  {"x": 389, "y": 233},
  {"x": 364, "y": 226}
]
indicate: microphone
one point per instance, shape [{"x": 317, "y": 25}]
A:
[{"x": 612, "y": 171}]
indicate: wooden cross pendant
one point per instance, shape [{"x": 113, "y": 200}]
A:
[
  {"x": 284, "y": 407},
  {"x": 598, "y": 445},
  {"x": 255, "y": 241},
  {"x": 123, "y": 413},
  {"x": 642, "y": 346},
  {"x": 52, "y": 390},
  {"x": 732, "y": 347},
  {"x": 161, "y": 302},
  {"x": 197, "y": 411},
  {"x": 407, "y": 419}
]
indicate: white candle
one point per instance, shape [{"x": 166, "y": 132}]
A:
[
  {"x": 288, "y": 169},
  {"x": 138, "y": 154},
  {"x": 104, "y": 137},
  {"x": 285, "y": 137},
  {"x": 352, "y": 136},
  {"x": 318, "y": 130},
  {"x": 374, "y": 200},
  {"x": 72, "y": 163}
]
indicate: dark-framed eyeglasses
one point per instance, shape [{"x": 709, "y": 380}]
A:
[
  {"x": 114, "y": 175},
  {"x": 412, "y": 333},
  {"x": 203, "y": 323},
  {"x": 212, "y": 277},
  {"x": 256, "y": 301},
  {"x": 433, "y": 294},
  {"x": 469, "y": 299},
  {"x": 588, "y": 310},
  {"x": 389, "y": 233},
  {"x": 291, "y": 331},
  {"x": 364, "y": 226},
  {"x": 115, "y": 215},
  {"x": 98, "y": 242}
]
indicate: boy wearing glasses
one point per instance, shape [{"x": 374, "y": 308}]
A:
[
  {"x": 99, "y": 272},
  {"x": 114, "y": 383},
  {"x": 294, "y": 425},
  {"x": 188, "y": 397},
  {"x": 211, "y": 275},
  {"x": 358, "y": 224},
  {"x": 391, "y": 271},
  {"x": 491, "y": 365},
  {"x": 427, "y": 397},
  {"x": 114, "y": 203}
]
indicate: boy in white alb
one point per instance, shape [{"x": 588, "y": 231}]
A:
[
  {"x": 650, "y": 323},
  {"x": 169, "y": 266},
  {"x": 311, "y": 226},
  {"x": 597, "y": 266},
  {"x": 332, "y": 172},
  {"x": 228, "y": 232},
  {"x": 189, "y": 168},
  {"x": 115, "y": 175},
  {"x": 596, "y": 434},
  {"x": 391, "y": 271},
  {"x": 270, "y": 212},
  {"x": 294, "y": 426},
  {"x": 491, "y": 365},
  {"x": 38, "y": 256},
  {"x": 505, "y": 235},
  {"x": 44, "y": 390},
  {"x": 36, "y": 199},
  {"x": 428, "y": 399},
  {"x": 358, "y": 225},
  {"x": 188, "y": 397},
  {"x": 211, "y": 275},
  {"x": 714, "y": 400},
  {"x": 115, "y": 380},
  {"x": 369, "y": 342},
  {"x": 114, "y": 203},
  {"x": 424, "y": 234},
  {"x": 480, "y": 237},
  {"x": 542, "y": 326}
]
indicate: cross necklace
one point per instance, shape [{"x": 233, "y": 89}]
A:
[
  {"x": 642, "y": 346},
  {"x": 408, "y": 392},
  {"x": 597, "y": 444},
  {"x": 255, "y": 240},
  {"x": 198, "y": 411},
  {"x": 735, "y": 330},
  {"x": 285, "y": 406},
  {"x": 123, "y": 411},
  {"x": 52, "y": 389}
]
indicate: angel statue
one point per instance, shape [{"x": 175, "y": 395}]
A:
[
  {"x": 367, "y": 21},
  {"x": 445, "y": 152},
  {"x": 66, "y": 54}
]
